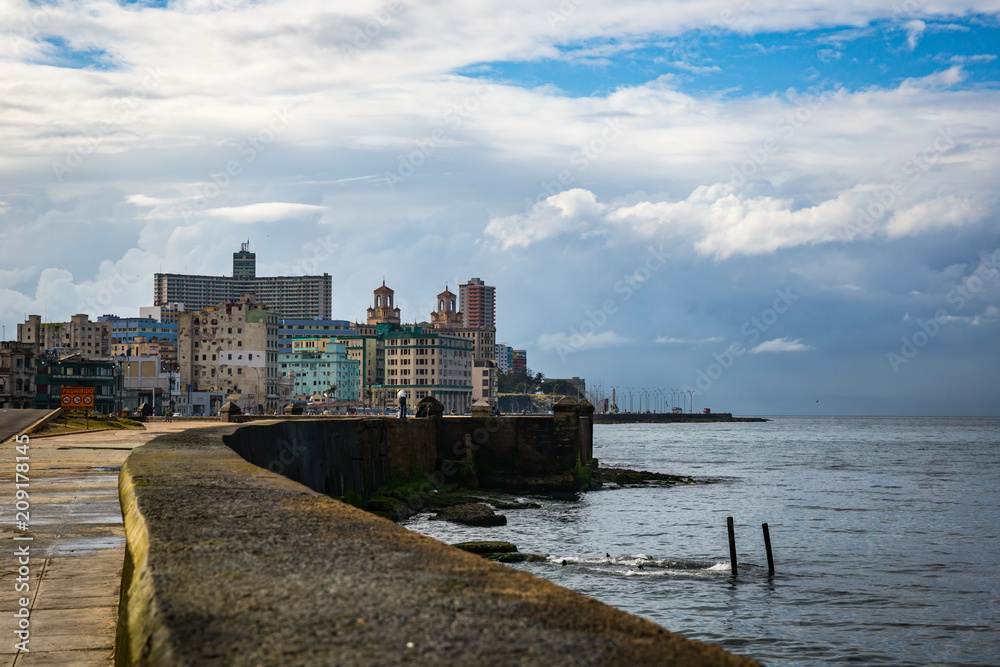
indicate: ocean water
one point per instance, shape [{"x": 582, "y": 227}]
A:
[{"x": 885, "y": 534}]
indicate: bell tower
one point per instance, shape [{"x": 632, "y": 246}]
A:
[
  {"x": 446, "y": 316},
  {"x": 383, "y": 310}
]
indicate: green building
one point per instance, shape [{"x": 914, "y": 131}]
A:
[{"x": 51, "y": 375}]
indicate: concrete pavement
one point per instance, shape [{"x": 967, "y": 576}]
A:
[{"x": 77, "y": 544}]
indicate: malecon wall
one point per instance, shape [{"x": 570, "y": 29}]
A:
[
  {"x": 359, "y": 455},
  {"x": 228, "y": 563}
]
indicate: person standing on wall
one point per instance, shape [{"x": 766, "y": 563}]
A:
[{"x": 401, "y": 395}]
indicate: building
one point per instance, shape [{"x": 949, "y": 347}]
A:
[
  {"x": 167, "y": 313},
  {"x": 292, "y": 297},
  {"x": 504, "y": 357},
  {"x": 52, "y": 374},
  {"x": 383, "y": 311},
  {"x": 519, "y": 361},
  {"x": 324, "y": 369},
  {"x": 147, "y": 379},
  {"x": 429, "y": 363},
  {"x": 139, "y": 346},
  {"x": 78, "y": 336},
  {"x": 17, "y": 376},
  {"x": 477, "y": 301},
  {"x": 231, "y": 348},
  {"x": 124, "y": 329},
  {"x": 447, "y": 318},
  {"x": 484, "y": 380},
  {"x": 290, "y": 330}
]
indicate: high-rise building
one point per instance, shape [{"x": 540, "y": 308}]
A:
[
  {"x": 292, "y": 297},
  {"x": 504, "y": 357},
  {"x": 477, "y": 301},
  {"x": 245, "y": 262},
  {"x": 519, "y": 361}
]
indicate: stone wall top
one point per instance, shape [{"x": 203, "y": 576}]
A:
[{"x": 230, "y": 564}]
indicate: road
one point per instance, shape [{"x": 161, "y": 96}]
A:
[
  {"x": 76, "y": 546},
  {"x": 13, "y": 422}
]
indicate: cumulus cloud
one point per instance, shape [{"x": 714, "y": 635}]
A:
[
  {"x": 781, "y": 345},
  {"x": 722, "y": 223},
  {"x": 565, "y": 212}
]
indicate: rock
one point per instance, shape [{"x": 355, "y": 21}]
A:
[
  {"x": 516, "y": 558},
  {"x": 513, "y": 505},
  {"x": 471, "y": 514},
  {"x": 390, "y": 508},
  {"x": 487, "y": 547}
]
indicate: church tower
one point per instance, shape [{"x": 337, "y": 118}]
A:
[
  {"x": 446, "y": 316},
  {"x": 383, "y": 311}
]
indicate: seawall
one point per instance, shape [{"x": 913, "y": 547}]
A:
[
  {"x": 228, "y": 563},
  {"x": 670, "y": 418}
]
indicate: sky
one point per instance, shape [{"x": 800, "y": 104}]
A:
[{"x": 784, "y": 208}]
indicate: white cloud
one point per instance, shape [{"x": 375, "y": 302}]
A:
[
  {"x": 689, "y": 341},
  {"x": 578, "y": 342},
  {"x": 561, "y": 213},
  {"x": 914, "y": 31},
  {"x": 781, "y": 345},
  {"x": 264, "y": 212}
]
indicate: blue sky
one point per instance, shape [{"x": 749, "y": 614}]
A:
[
  {"x": 792, "y": 210},
  {"x": 722, "y": 62}
]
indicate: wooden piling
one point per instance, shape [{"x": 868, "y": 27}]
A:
[
  {"x": 767, "y": 547},
  {"x": 732, "y": 543}
]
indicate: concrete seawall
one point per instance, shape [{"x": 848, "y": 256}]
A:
[
  {"x": 228, "y": 563},
  {"x": 357, "y": 456}
]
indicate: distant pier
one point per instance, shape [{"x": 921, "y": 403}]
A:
[{"x": 669, "y": 417}]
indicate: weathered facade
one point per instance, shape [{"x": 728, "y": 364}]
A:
[
  {"x": 17, "y": 376},
  {"x": 232, "y": 348},
  {"x": 78, "y": 336}
]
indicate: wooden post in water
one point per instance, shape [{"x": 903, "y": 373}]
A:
[
  {"x": 767, "y": 546},
  {"x": 732, "y": 543}
]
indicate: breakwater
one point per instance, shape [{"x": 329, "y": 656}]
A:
[
  {"x": 670, "y": 417},
  {"x": 230, "y": 563}
]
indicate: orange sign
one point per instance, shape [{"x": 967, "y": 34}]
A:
[{"x": 78, "y": 398}]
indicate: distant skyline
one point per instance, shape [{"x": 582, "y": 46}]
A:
[{"x": 793, "y": 209}]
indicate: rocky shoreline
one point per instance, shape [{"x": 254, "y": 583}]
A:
[{"x": 479, "y": 507}]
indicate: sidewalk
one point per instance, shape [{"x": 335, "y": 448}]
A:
[{"x": 77, "y": 546}]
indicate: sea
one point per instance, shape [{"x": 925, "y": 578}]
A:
[{"x": 885, "y": 535}]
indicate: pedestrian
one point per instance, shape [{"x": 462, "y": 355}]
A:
[{"x": 401, "y": 395}]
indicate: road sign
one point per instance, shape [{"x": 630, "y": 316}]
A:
[{"x": 77, "y": 398}]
